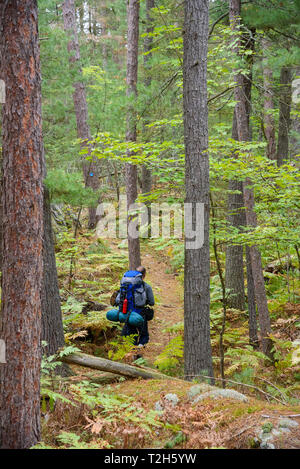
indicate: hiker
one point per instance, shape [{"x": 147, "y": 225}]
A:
[{"x": 146, "y": 312}]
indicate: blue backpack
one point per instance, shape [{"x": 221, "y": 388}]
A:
[
  {"x": 132, "y": 292},
  {"x": 132, "y": 298}
]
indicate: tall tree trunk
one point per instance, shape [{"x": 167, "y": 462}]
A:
[
  {"x": 104, "y": 15},
  {"x": 253, "y": 336},
  {"x": 285, "y": 98},
  {"x": 269, "y": 125},
  {"x": 90, "y": 168},
  {"x": 234, "y": 277},
  {"x": 197, "y": 345},
  {"x": 295, "y": 127},
  {"x": 81, "y": 17},
  {"x": 234, "y": 266},
  {"x": 22, "y": 225},
  {"x": 244, "y": 136},
  {"x": 133, "y": 10},
  {"x": 52, "y": 325},
  {"x": 148, "y": 44}
]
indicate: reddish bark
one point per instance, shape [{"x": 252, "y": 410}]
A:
[
  {"x": 131, "y": 78},
  {"x": 90, "y": 168},
  {"x": 22, "y": 269},
  {"x": 148, "y": 44}
]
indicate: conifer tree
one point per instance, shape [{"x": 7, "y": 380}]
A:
[
  {"x": 234, "y": 267},
  {"x": 22, "y": 268},
  {"x": 269, "y": 124},
  {"x": 243, "y": 132},
  {"x": 90, "y": 168},
  {"x": 133, "y": 10},
  {"x": 285, "y": 99},
  {"x": 148, "y": 44},
  {"x": 197, "y": 346},
  {"x": 52, "y": 324}
]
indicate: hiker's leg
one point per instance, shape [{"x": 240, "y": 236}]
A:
[
  {"x": 144, "y": 334},
  {"x": 129, "y": 330}
]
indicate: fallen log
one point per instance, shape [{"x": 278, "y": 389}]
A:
[
  {"x": 104, "y": 378},
  {"x": 110, "y": 366}
]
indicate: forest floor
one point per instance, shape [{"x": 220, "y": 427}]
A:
[{"x": 122, "y": 413}]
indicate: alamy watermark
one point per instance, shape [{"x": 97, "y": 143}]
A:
[{"x": 181, "y": 221}]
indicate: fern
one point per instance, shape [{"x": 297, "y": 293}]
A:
[
  {"x": 243, "y": 359},
  {"x": 122, "y": 346},
  {"x": 70, "y": 440},
  {"x": 171, "y": 355},
  {"x": 175, "y": 328},
  {"x": 48, "y": 366},
  {"x": 49, "y": 397}
]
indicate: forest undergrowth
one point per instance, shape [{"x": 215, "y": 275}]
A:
[{"x": 96, "y": 410}]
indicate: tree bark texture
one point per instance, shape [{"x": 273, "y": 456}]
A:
[
  {"x": 294, "y": 141},
  {"x": 234, "y": 265},
  {"x": 52, "y": 325},
  {"x": 133, "y": 10},
  {"x": 234, "y": 277},
  {"x": 253, "y": 335},
  {"x": 148, "y": 44},
  {"x": 22, "y": 225},
  {"x": 197, "y": 345},
  {"x": 90, "y": 168},
  {"x": 285, "y": 98},
  {"x": 269, "y": 124},
  {"x": 243, "y": 130}
]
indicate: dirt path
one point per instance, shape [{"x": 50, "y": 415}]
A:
[{"x": 168, "y": 294}]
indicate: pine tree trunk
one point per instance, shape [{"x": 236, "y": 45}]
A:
[
  {"x": 148, "y": 44},
  {"x": 285, "y": 97},
  {"x": 90, "y": 168},
  {"x": 234, "y": 277},
  {"x": 104, "y": 14},
  {"x": 253, "y": 335},
  {"x": 81, "y": 15},
  {"x": 269, "y": 124},
  {"x": 22, "y": 225},
  {"x": 197, "y": 345},
  {"x": 234, "y": 266},
  {"x": 133, "y": 9},
  {"x": 52, "y": 325},
  {"x": 244, "y": 136},
  {"x": 295, "y": 128}
]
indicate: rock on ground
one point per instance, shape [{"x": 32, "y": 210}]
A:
[{"x": 204, "y": 391}]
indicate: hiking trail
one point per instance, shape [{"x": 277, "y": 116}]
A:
[{"x": 168, "y": 294}]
